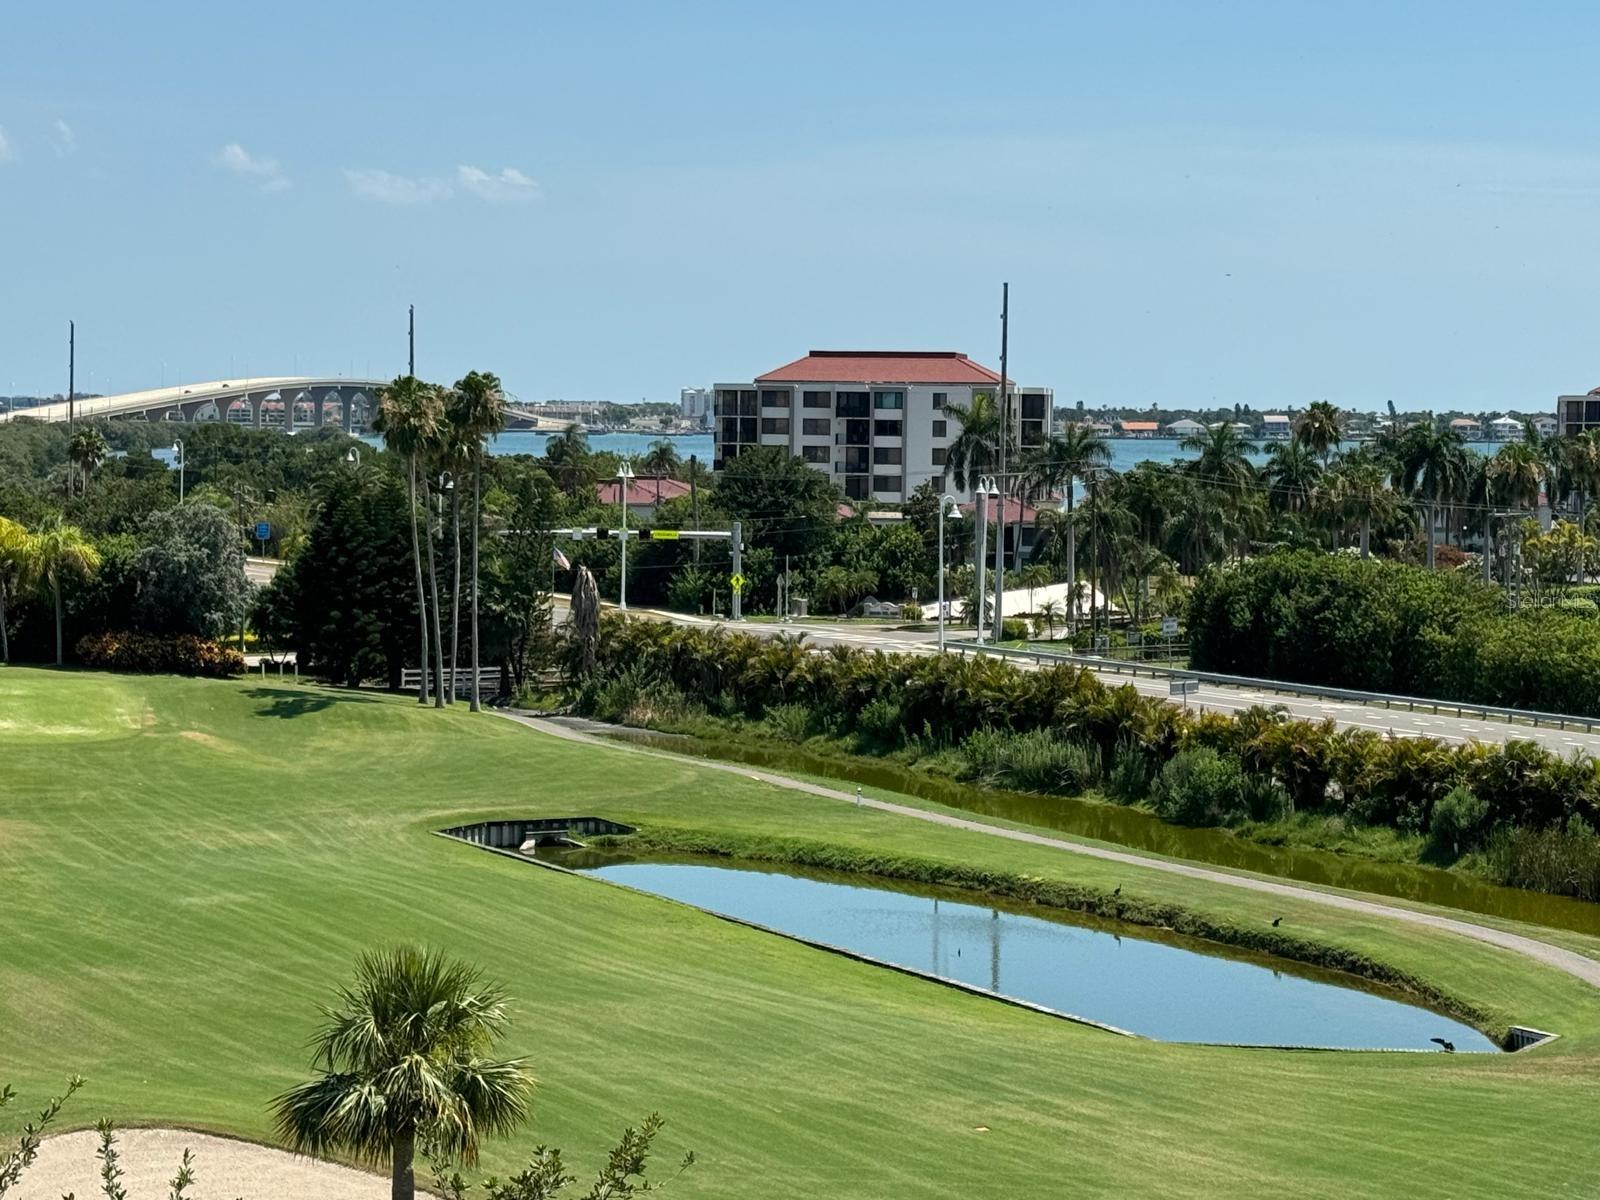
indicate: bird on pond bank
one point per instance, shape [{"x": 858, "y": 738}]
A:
[
  {"x": 1449, "y": 1047},
  {"x": 1276, "y": 921},
  {"x": 1117, "y": 891}
]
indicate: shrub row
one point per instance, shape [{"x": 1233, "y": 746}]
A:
[
  {"x": 1388, "y": 627},
  {"x": 1060, "y": 730},
  {"x": 160, "y": 654}
]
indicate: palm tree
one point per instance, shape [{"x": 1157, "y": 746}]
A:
[
  {"x": 1515, "y": 473},
  {"x": 56, "y": 553},
  {"x": 408, "y": 420},
  {"x": 16, "y": 549},
  {"x": 403, "y": 1062},
  {"x": 454, "y": 450},
  {"x": 976, "y": 450},
  {"x": 1356, "y": 492},
  {"x": 567, "y": 456},
  {"x": 1580, "y": 458},
  {"x": 482, "y": 405},
  {"x": 1050, "y": 613},
  {"x": 1318, "y": 429},
  {"x": 1432, "y": 464},
  {"x": 1055, "y": 467},
  {"x": 1291, "y": 473},
  {"x": 1221, "y": 456},
  {"x": 87, "y": 450},
  {"x": 661, "y": 460}
]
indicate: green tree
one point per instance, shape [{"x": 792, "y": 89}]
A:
[
  {"x": 403, "y": 1061},
  {"x": 191, "y": 573},
  {"x": 409, "y": 414},
  {"x": 1054, "y": 469},
  {"x": 785, "y": 505},
  {"x": 57, "y": 553},
  {"x": 15, "y": 548},
  {"x": 1291, "y": 473},
  {"x": 87, "y": 451},
  {"x": 661, "y": 460},
  {"x": 568, "y": 460},
  {"x": 976, "y": 450},
  {"x": 1319, "y": 429},
  {"x": 1221, "y": 457},
  {"x": 1432, "y": 464},
  {"x": 480, "y": 407}
]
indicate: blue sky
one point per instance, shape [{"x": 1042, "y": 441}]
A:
[{"x": 1259, "y": 203}]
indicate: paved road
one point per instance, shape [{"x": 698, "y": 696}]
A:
[
  {"x": 1396, "y": 722},
  {"x": 1568, "y": 961}
]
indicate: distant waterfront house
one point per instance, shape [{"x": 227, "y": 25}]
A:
[
  {"x": 1139, "y": 429},
  {"x": 1466, "y": 427},
  {"x": 1183, "y": 427},
  {"x": 1506, "y": 429},
  {"x": 1546, "y": 426},
  {"x": 1276, "y": 426}
]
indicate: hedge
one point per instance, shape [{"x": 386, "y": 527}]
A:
[{"x": 160, "y": 654}]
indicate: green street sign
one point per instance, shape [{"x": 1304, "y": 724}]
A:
[{"x": 736, "y": 582}]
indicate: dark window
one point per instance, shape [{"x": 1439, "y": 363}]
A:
[
  {"x": 730, "y": 429},
  {"x": 855, "y": 487},
  {"x": 939, "y": 399},
  {"x": 774, "y": 424},
  {"x": 1033, "y": 408},
  {"x": 816, "y": 454},
  {"x": 727, "y": 403},
  {"x": 887, "y": 428},
  {"x": 816, "y": 426},
  {"x": 816, "y": 400},
  {"x": 1591, "y": 410},
  {"x": 855, "y": 459},
  {"x": 775, "y": 397},
  {"x": 852, "y": 404},
  {"x": 1032, "y": 433},
  {"x": 890, "y": 400},
  {"x": 857, "y": 433},
  {"x": 939, "y": 453},
  {"x": 940, "y": 427},
  {"x": 886, "y": 483},
  {"x": 747, "y": 403},
  {"x": 747, "y": 429},
  {"x": 887, "y": 456}
]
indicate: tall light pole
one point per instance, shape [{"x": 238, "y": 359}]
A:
[
  {"x": 624, "y": 477},
  {"x": 1000, "y": 475},
  {"x": 72, "y": 387},
  {"x": 177, "y": 448},
  {"x": 947, "y": 504},
  {"x": 986, "y": 488},
  {"x": 411, "y": 340}
]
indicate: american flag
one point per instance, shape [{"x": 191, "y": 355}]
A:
[{"x": 561, "y": 559}]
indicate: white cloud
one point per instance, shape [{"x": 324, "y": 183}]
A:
[
  {"x": 65, "y": 140},
  {"x": 510, "y": 186},
  {"x": 234, "y": 157},
  {"x": 389, "y": 188},
  {"x": 6, "y": 152}
]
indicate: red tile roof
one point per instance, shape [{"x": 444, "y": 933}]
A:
[
  {"x": 643, "y": 490},
  {"x": 1030, "y": 514},
  {"x": 882, "y": 366}
]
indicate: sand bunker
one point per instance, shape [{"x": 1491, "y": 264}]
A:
[{"x": 223, "y": 1168}]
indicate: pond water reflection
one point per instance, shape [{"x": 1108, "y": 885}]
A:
[{"x": 1168, "y": 989}]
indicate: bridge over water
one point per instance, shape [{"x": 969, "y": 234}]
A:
[{"x": 288, "y": 403}]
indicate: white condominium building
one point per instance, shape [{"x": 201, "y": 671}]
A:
[{"x": 875, "y": 420}]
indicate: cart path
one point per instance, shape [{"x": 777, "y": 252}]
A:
[{"x": 1569, "y": 961}]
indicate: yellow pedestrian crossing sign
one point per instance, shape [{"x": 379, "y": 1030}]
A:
[
  {"x": 736, "y": 582},
  {"x": 664, "y": 535}
]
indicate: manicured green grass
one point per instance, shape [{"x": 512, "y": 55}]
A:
[{"x": 188, "y": 866}]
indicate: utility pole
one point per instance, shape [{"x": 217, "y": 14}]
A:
[
  {"x": 411, "y": 340},
  {"x": 980, "y": 541},
  {"x": 694, "y": 501},
  {"x": 1094, "y": 555},
  {"x": 1005, "y": 433},
  {"x": 736, "y": 542},
  {"x": 72, "y": 371}
]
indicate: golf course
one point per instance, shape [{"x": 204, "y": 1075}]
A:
[{"x": 189, "y": 868}]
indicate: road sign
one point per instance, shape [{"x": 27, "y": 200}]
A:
[
  {"x": 1169, "y": 627},
  {"x": 736, "y": 582},
  {"x": 1135, "y": 637},
  {"x": 1182, "y": 687},
  {"x": 263, "y": 532},
  {"x": 663, "y": 535}
]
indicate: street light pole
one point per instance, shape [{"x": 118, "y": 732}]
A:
[
  {"x": 177, "y": 448},
  {"x": 986, "y": 488},
  {"x": 1005, "y": 434},
  {"x": 624, "y": 477},
  {"x": 945, "y": 503}
]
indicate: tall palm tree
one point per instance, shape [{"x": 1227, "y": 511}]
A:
[
  {"x": 482, "y": 404},
  {"x": 16, "y": 549},
  {"x": 403, "y": 1061},
  {"x": 1318, "y": 429},
  {"x": 1515, "y": 473},
  {"x": 1580, "y": 457},
  {"x": 1433, "y": 465},
  {"x": 454, "y": 450},
  {"x": 88, "y": 450},
  {"x": 1221, "y": 456},
  {"x": 409, "y": 413},
  {"x": 56, "y": 553},
  {"x": 661, "y": 459},
  {"x": 976, "y": 450},
  {"x": 1356, "y": 492},
  {"x": 1055, "y": 467}
]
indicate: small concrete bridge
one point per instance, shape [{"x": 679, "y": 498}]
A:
[{"x": 289, "y": 403}]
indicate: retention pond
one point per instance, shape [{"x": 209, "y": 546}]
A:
[{"x": 1169, "y": 988}]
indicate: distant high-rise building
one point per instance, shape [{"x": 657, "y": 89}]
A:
[
  {"x": 695, "y": 404},
  {"x": 874, "y": 420}
]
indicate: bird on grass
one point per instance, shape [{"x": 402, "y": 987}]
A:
[
  {"x": 1276, "y": 921},
  {"x": 1117, "y": 891},
  {"x": 1449, "y": 1047}
]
